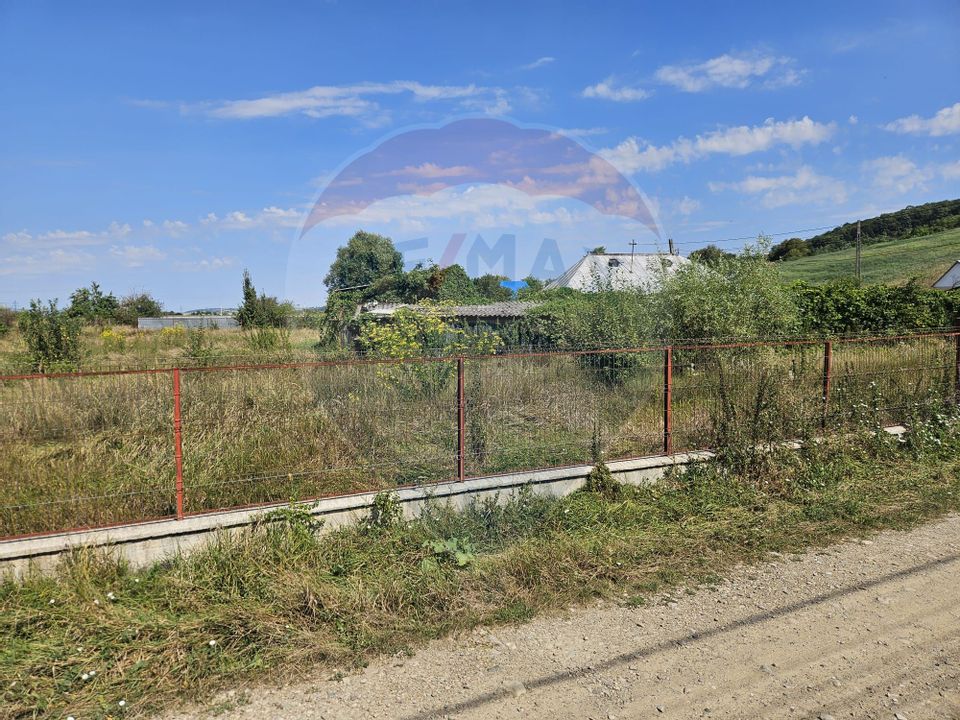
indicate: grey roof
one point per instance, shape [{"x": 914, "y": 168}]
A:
[
  {"x": 507, "y": 308},
  {"x": 618, "y": 271},
  {"x": 950, "y": 279}
]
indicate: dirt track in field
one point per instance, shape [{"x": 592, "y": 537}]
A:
[{"x": 863, "y": 629}]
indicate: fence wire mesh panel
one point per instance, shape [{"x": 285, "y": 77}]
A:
[
  {"x": 270, "y": 435},
  {"x": 86, "y": 450},
  {"x": 891, "y": 381},
  {"x": 745, "y": 394}
]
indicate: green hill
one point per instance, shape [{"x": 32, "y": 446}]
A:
[{"x": 892, "y": 261}]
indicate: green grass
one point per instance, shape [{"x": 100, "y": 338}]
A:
[
  {"x": 896, "y": 261},
  {"x": 280, "y": 600}
]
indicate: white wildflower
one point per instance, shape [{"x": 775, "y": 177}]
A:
[
  {"x": 52, "y": 602},
  {"x": 111, "y": 596},
  {"x": 85, "y": 676},
  {"x": 122, "y": 703},
  {"x": 212, "y": 643}
]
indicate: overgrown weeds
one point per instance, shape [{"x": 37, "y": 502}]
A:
[{"x": 280, "y": 598}]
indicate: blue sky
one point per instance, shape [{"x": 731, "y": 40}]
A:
[{"x": 169, "y": 146}]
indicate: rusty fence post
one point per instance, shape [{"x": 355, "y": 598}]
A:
[
  {"x": 177, "y": 442},
  {"x": 827, "y": 379},
  {"x": 668, "y": 400},
  {"x": 461, "y": 422}
]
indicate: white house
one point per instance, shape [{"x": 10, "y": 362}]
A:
[
  {"x": 950, "y": 279},
  {"x": 618, "y": 271}
]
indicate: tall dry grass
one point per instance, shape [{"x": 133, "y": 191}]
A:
[{"x": 88, "y": 451}]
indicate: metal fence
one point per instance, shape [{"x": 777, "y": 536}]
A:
[{"x": 93, "y": 449}]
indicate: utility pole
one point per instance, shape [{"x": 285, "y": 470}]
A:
[
  {"x": 633, "y": 247},
  {"x": 858, "y": 251},
  {"x": 673, "y": 250}
]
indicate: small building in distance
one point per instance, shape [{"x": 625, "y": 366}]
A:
[
  {"x": 950, "y": 279},
  {"x": 223, "y": 322},
  {"x": 596, "y": 272}
]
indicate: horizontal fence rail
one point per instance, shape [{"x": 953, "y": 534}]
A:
[{"x": 99, "y": 448}]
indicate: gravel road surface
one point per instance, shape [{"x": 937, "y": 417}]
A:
[{"x": 864, "y": 629}]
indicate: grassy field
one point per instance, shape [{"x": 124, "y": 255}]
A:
[
  {"x": 82, "y": 452},
  {"x": 896, "y": 261},
  {"x": 279, "y": 601}
]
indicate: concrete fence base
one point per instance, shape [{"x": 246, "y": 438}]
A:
[{"x": 142, "y": 544}]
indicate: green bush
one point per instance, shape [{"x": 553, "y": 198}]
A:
[
  {"x": 136, "y": 306},
  {"x": 91, "y": 305},
  {"x": 52, "y": 337},
  {"x": 261, "y": 310},
  {"x": 268, "y": 340},
  {"x": 736, "y": 297},
  {"x": 200, "y": 350},
  {"x": 845, "y": 306}
]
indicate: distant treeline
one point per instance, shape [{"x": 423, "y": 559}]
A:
[{"x": 912, "y": 221}]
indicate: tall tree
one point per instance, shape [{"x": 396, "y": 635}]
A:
[
  {"x": 261, "y": 310},
  {"x": 93, "y": 305},
  {"x": 366, "y": 258}
]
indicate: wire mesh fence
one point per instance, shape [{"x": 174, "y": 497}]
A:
[{"x": 87, "y": 450}]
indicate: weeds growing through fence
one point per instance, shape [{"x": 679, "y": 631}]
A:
[
  {"x": 280, "y": 598},
  {"x": 81, "y": 452}
]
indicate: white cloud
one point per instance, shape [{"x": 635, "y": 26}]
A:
[
  {"x": 945, "y": 122},
  {"x": 46, "y": 262},
  {"x": 66, "y": 238},
  {"x": 633, "y": 155},
  {"x": 204, "y": 264},
  {"x": 802, "y": 188},
  {"x": 476, "y": 206},
  {"x": 853, "y": 119},
  {"x": 538, "y": 63},
  {"x": 583, "y": 132},
  {"x": 137, "y": 255},
  {"x": 268, "y": 218},
  {"x": 730, "y": 71},
  {"x": 687, "y": 205},
  {"x": 358, "y": 100},
  {"x": 895, "y": 173},
  {"x": 610, "y": 89},
  {"x": 899, "y": 174},
  {"x": 951, "y": 171},
  {"x": 174, "y": 228}
]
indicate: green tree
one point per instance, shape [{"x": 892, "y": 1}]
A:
[
  {"x": 52, "y": 337},
  {"x": 91, "y": 305},
  {"x": 489, "y": 288},
  {"x": 710, "y": 255},
  {"x": 261, "y": 310},
  {"x": 790, "y": 249},
  {"x": 738, "y": 297},
  {"x": 456, "y": 286},
  {"x": 420, "y": 283},
  {"x": 135, "y": 306},
  {"x": 366, "y": 258}
]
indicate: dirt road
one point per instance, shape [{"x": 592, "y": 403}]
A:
[{"x": 864, "y": 629}]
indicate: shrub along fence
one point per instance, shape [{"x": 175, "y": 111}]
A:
[{"x": 93, "y": 449}]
